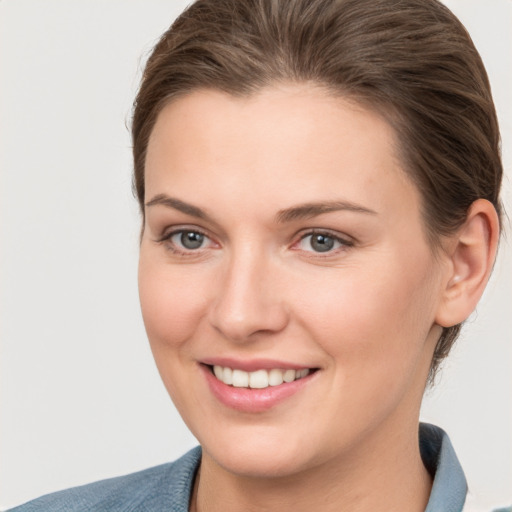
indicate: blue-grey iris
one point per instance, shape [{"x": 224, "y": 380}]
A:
[
  {"x": 191, "y": 239},
  {"x": 322, "y": 243}
]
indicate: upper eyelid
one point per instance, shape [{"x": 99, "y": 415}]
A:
[
  {"x": 166, "y": 241},
  {"x": 346, "y": 242},
  {"x": 328, "y": 232},
  {"x": 341, "y": 237},
  {"x": 168, "y": 233}
]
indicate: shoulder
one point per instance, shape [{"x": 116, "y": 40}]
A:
[{"x": 164, "y": 487}]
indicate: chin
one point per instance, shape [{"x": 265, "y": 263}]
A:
[
  {"x": 261, "y": 466},
  {"x": 258, "y": 454}
]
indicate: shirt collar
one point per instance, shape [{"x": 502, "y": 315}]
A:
[{"x": 449, "y": 488}]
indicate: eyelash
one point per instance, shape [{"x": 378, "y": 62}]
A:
[
  {"x": 166, "y": 239},
  {"x": 344, "y": 243}
]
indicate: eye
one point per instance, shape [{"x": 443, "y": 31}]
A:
[
  {"x": 322, "y": 243},
  {"x": 189, "y": 240},
  {"x": 186, "y": 242}
]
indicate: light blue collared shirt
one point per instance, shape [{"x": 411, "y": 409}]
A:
[{"x": 168, "y": 487}]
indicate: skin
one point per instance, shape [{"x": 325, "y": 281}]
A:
[{"x": 366, "y": 314}]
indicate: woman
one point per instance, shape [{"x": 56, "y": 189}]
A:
[{"x": 319, "y": 184}]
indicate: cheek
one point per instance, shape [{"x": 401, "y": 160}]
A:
[
  {"x": 374, "y": 317},
  {"x": 172, "y": 302}
]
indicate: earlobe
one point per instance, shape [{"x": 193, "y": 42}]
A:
[{"x": 472, "y": 253}]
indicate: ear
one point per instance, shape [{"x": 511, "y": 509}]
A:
[{"x": 471, "y": 253}]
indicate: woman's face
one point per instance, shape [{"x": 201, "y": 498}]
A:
[{"x": 283, "y": 241}]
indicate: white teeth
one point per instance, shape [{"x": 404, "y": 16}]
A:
[
  {"x": 227, "y": 376},
  {"x": 289, "y": 375},
  {"x": 275, "y": 377},
  {"x": 240, "y": 379},
  {"x": 302, "y": 373},
  {"x": 217, "y": 370},
  {"x": 259, "y": 379}
]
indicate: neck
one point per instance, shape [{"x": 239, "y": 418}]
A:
[{"x": 386, "y": 473}]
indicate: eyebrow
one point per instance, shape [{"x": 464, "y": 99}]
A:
[
  {"x": 300, "y": 212},
  {"x": 172, "y": 202},
  {"x": 309, "y": 210}
]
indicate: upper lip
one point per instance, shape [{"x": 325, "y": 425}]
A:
[{"x": 251, "y": 365}]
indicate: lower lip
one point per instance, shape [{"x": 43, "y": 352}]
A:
[{"x": 253, "y": 400}]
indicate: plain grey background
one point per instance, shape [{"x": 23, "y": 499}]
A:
[{"x": 80, "y": 395}]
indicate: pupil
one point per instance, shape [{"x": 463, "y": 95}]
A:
[
  {"x": 191, "y": 240},
  {"x": 322, "y": 243}
]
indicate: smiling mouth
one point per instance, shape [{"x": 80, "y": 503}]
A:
[{"x": 259, "y": 379}]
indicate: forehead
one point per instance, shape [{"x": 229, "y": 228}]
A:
[
  {"x": 292, "y": 111},
  {"x": 284, "y": 144}
]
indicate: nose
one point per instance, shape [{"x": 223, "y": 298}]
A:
[{"x": 250, "y": 299}]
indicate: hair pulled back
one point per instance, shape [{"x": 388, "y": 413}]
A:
[{"x": 411, "y": 60}]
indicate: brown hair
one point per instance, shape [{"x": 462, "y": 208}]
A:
[{"x": 412, "y": 60}]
